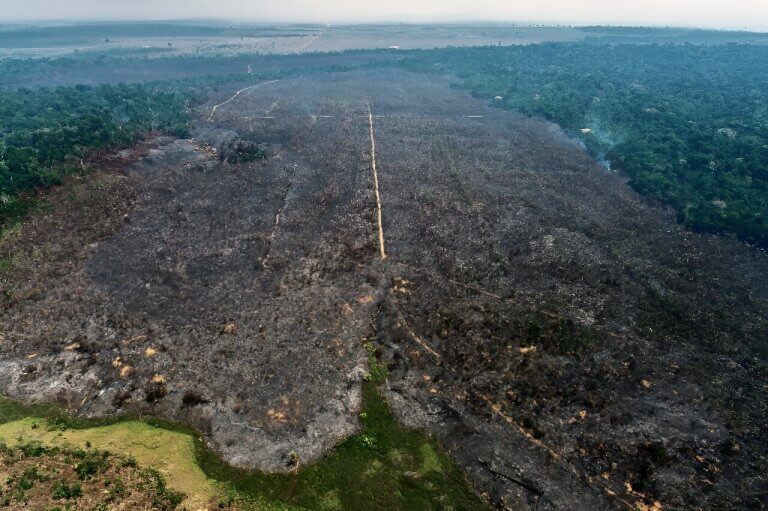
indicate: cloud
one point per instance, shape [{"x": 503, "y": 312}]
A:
[{"x": 751, "y": 14}]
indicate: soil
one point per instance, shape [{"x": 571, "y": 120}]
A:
[{"x": 567, "y": 341}]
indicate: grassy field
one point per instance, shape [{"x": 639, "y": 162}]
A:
[
  {"x": 383, "y": 467},
  {"x": 172, "y": 453}
]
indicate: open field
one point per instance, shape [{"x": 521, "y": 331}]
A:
[
  {"x": 169, "y": 452},
  {"x": 558, "y": 334},
  {"x": 158, "y": 40}
]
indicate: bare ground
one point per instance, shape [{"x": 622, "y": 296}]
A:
[{"x": 569, "y": 343}]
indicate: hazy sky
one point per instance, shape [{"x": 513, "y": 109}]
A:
[{"x": 749, "y": 14}]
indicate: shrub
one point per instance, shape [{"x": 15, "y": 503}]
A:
[{"x": 65, "y": 491}]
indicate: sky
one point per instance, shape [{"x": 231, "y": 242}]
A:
[{"x": 726, "y": 14}]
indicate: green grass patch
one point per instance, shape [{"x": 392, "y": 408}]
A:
[
  {"x": 385, "y": 466},
  {"x": 377, "y": 371}
]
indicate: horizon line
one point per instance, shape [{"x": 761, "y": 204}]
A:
[{"x": 340, "y": 23}]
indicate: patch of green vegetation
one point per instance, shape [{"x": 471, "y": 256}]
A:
[
  {"x": 17, "y": 487},
  {"x": 377, "y": 371},
  {"x": 165, "y": 499},
  {"x": 65, "y": 491},
  {"x": 91, "y": 463},
  {"x": 170, "y": 449},
  {"x": 97, "y": 475},
  {"x": 46, "y": 133},
  {"x": 385, "y": 466}
]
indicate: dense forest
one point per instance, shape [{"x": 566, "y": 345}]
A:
[
  {"x": 687, "y": 124},
  {"x": 45, "y": 133}
]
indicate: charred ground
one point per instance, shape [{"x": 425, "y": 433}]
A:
[{"x": 570, "y": 344}]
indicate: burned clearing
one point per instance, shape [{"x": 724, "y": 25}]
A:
[{"x": 558, "y": 334}]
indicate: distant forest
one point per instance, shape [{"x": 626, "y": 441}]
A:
[{"x": 687, "y": 124}]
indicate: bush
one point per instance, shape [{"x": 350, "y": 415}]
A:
[
  {"x": 240, "y": 151},
  {"x": 64, "y": 491},
  {"x": 377, "y": 372}
]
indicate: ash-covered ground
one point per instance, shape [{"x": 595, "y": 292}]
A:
[{"x": 569, "y": 344}]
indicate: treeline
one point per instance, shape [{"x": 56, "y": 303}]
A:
[
  {"x": 115, "y": 67},
  {"x": 44, "y": 133},
  {"x": 688, "y": 124}
]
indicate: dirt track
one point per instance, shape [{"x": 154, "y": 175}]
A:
[
  {"x": 555, "y": 332},
  {"x": 379, "y": 221}
]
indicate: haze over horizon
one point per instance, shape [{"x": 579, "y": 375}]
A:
[{"x": 719, "y": 14}]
